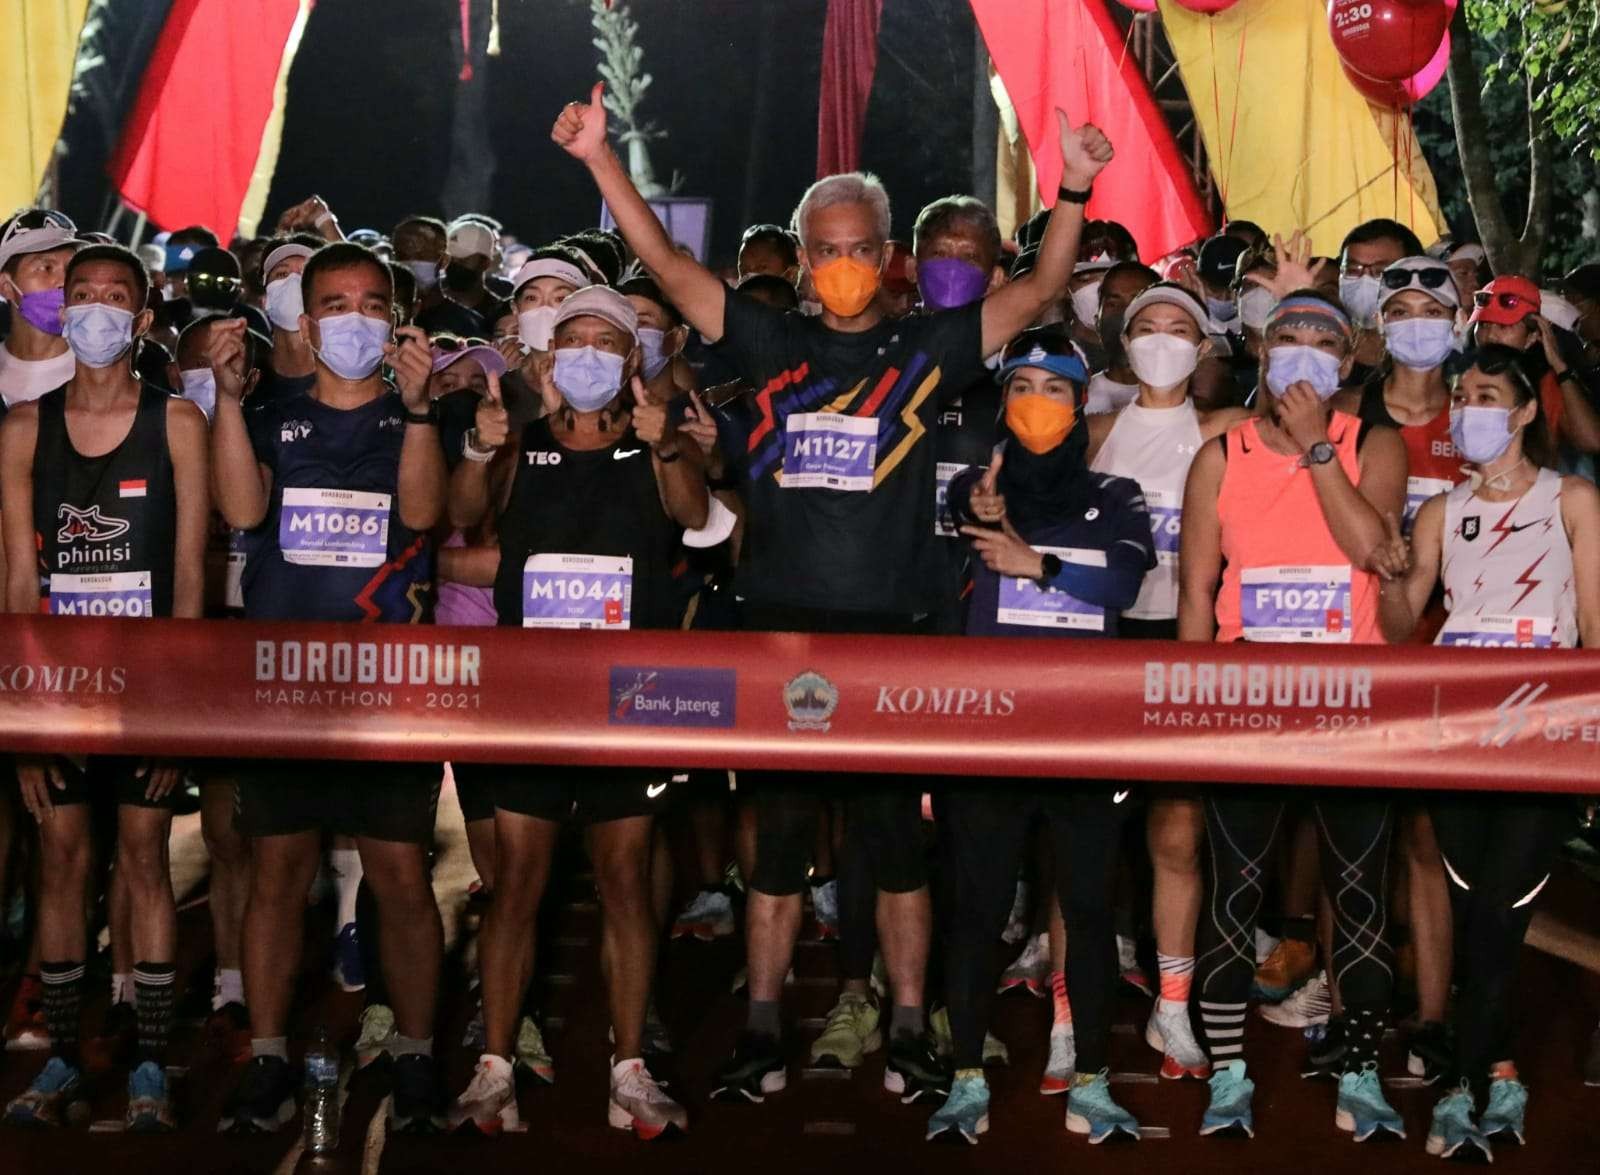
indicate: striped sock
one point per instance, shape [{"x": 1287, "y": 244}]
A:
[
  {"x": 1177, "y": 975},
  {"x": 154, "y": 987},
  {"x": 63, "y": 1000},
  {"x": 1222, "y": 1026},
  {"x": 1058, "y": 997}
]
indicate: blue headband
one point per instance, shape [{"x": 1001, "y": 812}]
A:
[{"x": 1066, "y": 366}]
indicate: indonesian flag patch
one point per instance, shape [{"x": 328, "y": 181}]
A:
[{"x": 131, "y": 489}]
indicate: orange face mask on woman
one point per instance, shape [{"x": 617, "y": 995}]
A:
[
  {"x": 845, "y": 286},
  {"x": 1039, "y": 422}
]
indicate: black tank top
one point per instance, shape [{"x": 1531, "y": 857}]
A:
[
  {"x": 106, "y": 526},
  {"x": 584, "y": 540}
]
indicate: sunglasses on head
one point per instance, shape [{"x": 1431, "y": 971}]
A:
[
  {"x": 1504, "y": 301},
  {"x": 1493, "y": 365},
  {"x": 1428, "y": 279}
]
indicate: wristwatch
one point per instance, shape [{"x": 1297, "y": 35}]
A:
[
  {"x": 431, "y": 416},
  {"x": 1050, "y": 567},
  {"x": 1074, "y": 195},
  {"x": 472, "y": 451},
  {"x": 1318, "y": 454}
]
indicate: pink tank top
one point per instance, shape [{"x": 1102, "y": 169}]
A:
[{"x": 463, "y": 606}]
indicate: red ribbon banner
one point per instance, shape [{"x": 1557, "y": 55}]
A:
[{"x": 1297, "y": 714}]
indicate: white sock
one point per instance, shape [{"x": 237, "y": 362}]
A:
[
  {"x": 121, "y": 987},
  {"x": 227, "y": 988},
  {"x": 346, "y": 865}
]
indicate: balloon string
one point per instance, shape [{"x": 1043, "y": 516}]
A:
[
  {"x": 1411, "y": 184},
  {"x": 1216, "y": 105},
  {"x": 1238, "y": 86}
]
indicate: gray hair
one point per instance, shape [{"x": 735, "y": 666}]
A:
[
  {"x": 949, "y": 211},
  {"x": 852, "y": 187}
]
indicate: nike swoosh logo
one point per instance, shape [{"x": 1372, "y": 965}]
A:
[
  {"x": 655, "y": 789},
  {"x": 1120, "y": 796},
  {"x": 1525, "y": 526},
  {"x": 624, "y": 454}
]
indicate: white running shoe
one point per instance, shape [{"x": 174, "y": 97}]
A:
[
  {"x": 1265, "y": 945},
  {"x": 377, "y": 1034},
  {"x": 489, "y": 1103},
  {"x": 1063, "y": 1061},
  {"x": 825, "y": 908},
  {"x": 638, "y": 1103},
  {"x": 1017, "y": 924},
  {"x": 1310, "y": 1005},
  {"x": 1170, "y": 1033},
  {"x": 1029, "y": 969}
]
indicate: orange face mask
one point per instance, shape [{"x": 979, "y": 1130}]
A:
[
  {"x": 845, "y": 286},
  {"x": 1038, "y": 421}
]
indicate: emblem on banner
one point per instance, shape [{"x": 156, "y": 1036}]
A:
[{"x": 811, "y": 700}]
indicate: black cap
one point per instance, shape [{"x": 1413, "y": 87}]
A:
[{"x": 1218, "y": 259}]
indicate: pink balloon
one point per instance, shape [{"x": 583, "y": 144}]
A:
[
  {"x": 1139, "y": 5},
  {"x": 1206, "y": 6}
]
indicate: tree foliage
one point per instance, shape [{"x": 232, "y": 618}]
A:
[{"x": 1553, "y": 46}]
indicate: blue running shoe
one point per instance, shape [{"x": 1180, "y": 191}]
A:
[
  {"x": 1508, "y": 1104},
  {"x": 149, "y": 1105},
  {"x": 1453, "y": 1131},
  {"x": 50, "y": 1099},
  {"x": 1363, "y": 1110},
  {"x": 1092, "y": 1111},
  {"x": 965, "y": 1113},
  {"x": 1229, "y": 1111},
  {"x": 347, "y": 969}
]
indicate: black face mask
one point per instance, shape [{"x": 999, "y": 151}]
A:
[
  {"x": 461, "y": 278},
  {"x": 1041, "y": 488}
]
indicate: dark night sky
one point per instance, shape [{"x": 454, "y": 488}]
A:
[{"x": 374, "y": 85}]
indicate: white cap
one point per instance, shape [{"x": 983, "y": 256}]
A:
[
  {"x": 20, "y": 241},
  {"x": 1468, "y": 252},
  {"x": 719, "y": 525},
  {"x": 1171, "y": 295},
  {"x": 471, "y": 238},
  {"x": 492, "y": 362},
  {"x": 1445, "y": 293},
  {"x": 549, "y": 267},
  {"x": 153, "y": 256},
  {"x": 283, "y": 253},
  {"x": 601, "y": 302},
  {"x": 1558, "y": 310},
  {"x": 1097, "y": 265}
]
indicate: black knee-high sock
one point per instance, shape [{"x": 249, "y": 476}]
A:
[
  {"x": 154, "y": 987},
  {"x": 63, "y": 1000},
  {"x": 1364, "y": 1031}
]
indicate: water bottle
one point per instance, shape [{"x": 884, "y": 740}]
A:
[{"x": 322, "y": 1108}]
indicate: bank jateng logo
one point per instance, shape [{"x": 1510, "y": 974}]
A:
[{"x": 668, "y": 696}]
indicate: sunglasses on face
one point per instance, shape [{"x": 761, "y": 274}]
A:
[
  {"x": 217, "y": 283},
  {"x": 1484, "y": 298},
  {"x": 1427, "y": 279}
]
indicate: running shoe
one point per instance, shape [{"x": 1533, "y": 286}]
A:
[
  {"x": 1508, "y": 1105},
  {"x": 377, "y": 1035},
  {"x": 1169, "y": 1032},
  {"x": 1290, "y": 965},
  {"x": 877, "y": 978},
  {"x": 914, "y": 1070},
  {"x": 1059, "y": 1068},
  {"x": 1093, "y": 1111},
  {"x": 348, "y": 972},
  {"x": 825, "y": 908},
  {"x": 994, "y": 1049},
  {"x": 489, "y": 1103},
  {"x": 638, "y": 1103},
  {"x": 414, "y": 1098},
  {"x": 1326, "y": 1047},
  {"x": 228, "y": 1029},
  {"x": 1431, "y": 1051},
  {"x": 149, "y": 1104},
  {"x": 965, "y": 1113},
  {"x": 1453, "y": 1131},
  {"x": 263, "y": 1101},
  {"x": 850, "y": 1034},
  {"x": 1265, "y": 945},
  {"x": 1017, "y": 924},
  {"x": 1311, "y": 1005},
  {"x": 708, "y": 916},
  {"x": 1130, "y": 971},
  {"x": 1030, "y": 969},
  {"x": 26, "y": 1030},
  {"x": 54, "y": 1096},
  {"x": 755, "y": 1070},
  {"x": 529, "y": 1054},
  {"x": 1362, "y": 1109},
  {"x": 1229, "y": 1109},
  {"x": 1591, "y": 1065}
]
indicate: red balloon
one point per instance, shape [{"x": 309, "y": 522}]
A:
[
  {"x": 1408, "y": 92},
  {"x": 1388, "y": 40},
  {"x": 1140, "y": 5},
  {"x": 1206, "y": 6}
]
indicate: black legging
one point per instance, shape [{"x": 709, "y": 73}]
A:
[
  {"x": 1498, "y": 851},
  {"x": 982, "y": 833},
  {"x": 1242, "y": 829}
]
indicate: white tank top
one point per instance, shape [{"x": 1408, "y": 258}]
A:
[
  {"x": 1107, "y": 395},
  {"x": 1507, "y": 570},
  {"x": 1155, "y": 447}
]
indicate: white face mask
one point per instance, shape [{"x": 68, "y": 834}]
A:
[
  {"x": 1162, "y": 361},
  {"x": 1086, "y": 303},
  {"x": 1255, "y": 307},
  {"x": 537, "y": 327},
  {"x": 284, "y": 303},
  {"x": 1420, "y": 343},
  {"x": 200, "y": 385},
  {"x": 1360, "y": 296},
  {"x": 98, "y": 334}
]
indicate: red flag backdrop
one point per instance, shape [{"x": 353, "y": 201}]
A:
[
  {"x": 849, "y": 59},
  {"x": 1069, "y": 54},
  {"x": 1292, "y": 714},
  {"x": 190, "y": 145}
]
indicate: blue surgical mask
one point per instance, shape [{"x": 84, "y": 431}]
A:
[
  {"x": 200, "y": 385},
  {"x": 98, "y": 334},
  {"x": 588, "y": 378},
  {"x": 426, "y": 273},
  {"x": 1292, "y": 365},
  {"x": 352, "y": 344},
  {"x": 1481, "y": 434},
  {"x": 1360, "y": 296},
  {"x": 1420, "y": 343},
  {"x": 652, "y": 345},
  {"x": 1222, "y": 310}
]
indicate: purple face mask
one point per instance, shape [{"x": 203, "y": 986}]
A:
[
  {"x": 948, "y": 282},
  {"x": 42, "y": 309}
]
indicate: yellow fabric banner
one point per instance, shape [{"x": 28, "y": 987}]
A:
[
  {"x": 36, "y": 57},
  {"x": 1292, "y": 142}
]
